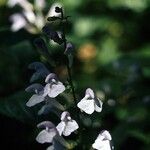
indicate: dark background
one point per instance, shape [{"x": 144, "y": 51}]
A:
[{"x": 112, "y": 53}]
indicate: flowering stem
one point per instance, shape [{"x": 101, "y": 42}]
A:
[
  {"x": 71, "y": 84},
  {"x": 68, "y": 67}
]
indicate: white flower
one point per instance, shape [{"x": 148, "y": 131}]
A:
[
  {"x": 36, "y": 98},
  {"x": 103, "y": 141},
  {"x": 67, "y": 125},
  {"x": 90, "y": 102},
  {"x": 53, "y": 87},
  {"x": 18, "y": 22},
  {"x": 49, "y": 132}
]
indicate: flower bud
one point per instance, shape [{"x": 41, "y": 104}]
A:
[
  {"x": 69, "y": 48},
  {"x": 53, "y": 35},
  {"x": 39, "y": 42}
]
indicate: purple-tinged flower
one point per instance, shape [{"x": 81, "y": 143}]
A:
[
  {"x": 69, "y": 48},
  {"x": 49, "y": 132},
  {"x": 90, "y": 102},
  {"x": 36, "y": 98},
  {"x": 40, "y": 95},
  {"x": 40, "y": 69},
  {"x": 53, "y": 87},
  {"x": 102, "y": 142},
  {"x": 67, "y": 125},
  {"x": 69, "y": 52}
]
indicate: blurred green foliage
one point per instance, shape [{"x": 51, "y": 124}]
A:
[{"x": 112, "y": 56}]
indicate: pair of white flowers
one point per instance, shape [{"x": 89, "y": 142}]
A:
[
  {"x": 89, "y": 104},
  {"x": 52, "y": 89},
  {"x": 65, "y": 127},
  {"x": 31, "y": 18}
]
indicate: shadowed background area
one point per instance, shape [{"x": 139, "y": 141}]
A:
[{"x": 112, "y": 56}]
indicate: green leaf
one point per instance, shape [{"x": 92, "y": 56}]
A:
[
  {"x": 140, "y": 135},
  {"x": 14, "y": 106},
  {"x": 60, "y": 143}
]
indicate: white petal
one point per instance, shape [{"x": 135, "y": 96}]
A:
[
  {"x": 101, "y": 145},
  {"x": 60, "y": 127},
  {"x": 97, "y": 144},
  {"x": 71, "y": 126},
  {"x": 97, "y": 108},
  {"x": 40, "y": 20},
  {"x": 30, "y": 16},
  {"x": 45, "y": 136},
  {"x": 35, "y": 99},
  {"x": 56, "y": 89},
  {"x": 18, "y": 22},
  {"x": 86, "y": 105},
  {"x": 46, "y": 89}
]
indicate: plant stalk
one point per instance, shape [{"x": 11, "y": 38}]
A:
[{"x": 68, "y": 68}]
